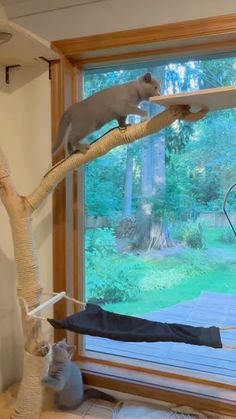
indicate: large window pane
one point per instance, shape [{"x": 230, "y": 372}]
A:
[{"x": 157, "y": 242}]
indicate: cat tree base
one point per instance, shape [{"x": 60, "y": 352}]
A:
[
  {"x": 30, "y": 395},
  {"x": 92, "y": 408}
]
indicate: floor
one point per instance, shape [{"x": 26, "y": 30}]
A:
[
  {"x": 95, "y": 409},
  {"x": 209, "y": 309}
]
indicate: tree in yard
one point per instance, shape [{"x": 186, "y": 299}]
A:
[
  {"x": 152, "y": 227},
  {"x": 128, "y": 186},
  {"x": 126, "y": 225},
  {"x": 150, "y": 231}
]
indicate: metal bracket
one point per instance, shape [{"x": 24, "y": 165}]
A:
[
  {"x": 49, "y": 66},
  {"x": 7, "y": 72}
]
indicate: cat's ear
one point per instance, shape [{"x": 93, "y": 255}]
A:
[
  {"x": 70, "y": 349},
  {"x": 147, "y": 77}
]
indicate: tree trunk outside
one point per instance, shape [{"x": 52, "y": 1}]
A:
[
  {"x": 128, "y": 190},
  {"x": 152, "y": 230},
  {"x": 159, "y": 234}
]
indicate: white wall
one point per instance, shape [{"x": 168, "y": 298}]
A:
[
  {"x": 25, "y": 138},
  {"x": 116, "y": 15}
]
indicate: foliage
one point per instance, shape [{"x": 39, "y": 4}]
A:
[
  {"x": 110, "y": 275},
  {"x": 104, "y": 189},
  {"x": 178, "y": 230},
  {"x": 100, "y": 242},
  {"x": 193, "y": 237},
  {"x": 109, "y": 280},
  {"x": 191, "y": 233}
]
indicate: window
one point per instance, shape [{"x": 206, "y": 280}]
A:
[{"x": 157, "y": 244}]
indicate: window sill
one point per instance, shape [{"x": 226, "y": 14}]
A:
[{"x": 179, "y": 391}]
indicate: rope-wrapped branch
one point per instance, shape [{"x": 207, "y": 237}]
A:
[{"x": 109, "y": 141}]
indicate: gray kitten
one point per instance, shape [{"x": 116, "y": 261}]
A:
[
  {"x": 65, "y": 379},
  {"x": 92, "y": 113}
]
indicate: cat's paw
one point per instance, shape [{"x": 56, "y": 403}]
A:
[
  {"x": 195, "y": 116},
  {"x": 178, "y": 111},
  {"x": 82, "y": 148},
  {"x": 79, "y": 148},
  {"x": 124, "y": 127}
]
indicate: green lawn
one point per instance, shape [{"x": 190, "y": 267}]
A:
[
  {"x": 164, "y": 282},
  {"x": 222, "y": 279}
]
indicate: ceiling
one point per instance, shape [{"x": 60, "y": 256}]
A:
[
  {"x": 24, "y": 48},
  {"x": 21, "y": 8}
]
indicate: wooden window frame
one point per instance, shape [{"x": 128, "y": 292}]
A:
[
  {"x": 131, "y": 376},
  {"x": 199, "y": 36}
]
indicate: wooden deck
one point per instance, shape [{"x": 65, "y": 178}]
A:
[{"x": 209, "y": 309}]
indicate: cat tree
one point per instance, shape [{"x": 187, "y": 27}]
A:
[{"x": 20, "y": 209}]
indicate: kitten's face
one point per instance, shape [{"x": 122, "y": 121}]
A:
[
  {"x": 149, "y": 86},
  {"x": 62, "y": 352}
]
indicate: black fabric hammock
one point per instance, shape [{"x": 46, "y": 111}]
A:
[{"x": 95, "y": 321}]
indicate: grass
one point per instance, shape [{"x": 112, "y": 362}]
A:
[
  {"x": 212, "y": 238},
  {"x": 174, "y": 279},
  {"x": 222, "y": 279}
]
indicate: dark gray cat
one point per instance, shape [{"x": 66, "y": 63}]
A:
[
  {"x": 92, "y": 113},
  {"x": 65, "y": 379}
]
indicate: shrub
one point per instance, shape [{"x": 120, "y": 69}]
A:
[
  {"x": 111, "y": 277},
  {"x": 193, "y": 236},
  {"x": 109, "y": 280},
  {"x": 190, "y": 233},
  {"x": 100, "y": 241}
]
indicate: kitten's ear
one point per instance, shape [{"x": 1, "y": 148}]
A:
[
  {"x": 70, "y": 349},
  {"x": 147, "y": 77}
]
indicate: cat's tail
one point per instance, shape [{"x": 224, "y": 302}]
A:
[
  {"x": 63, "y": 125},
  {"x": 92, "y": 393}
]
